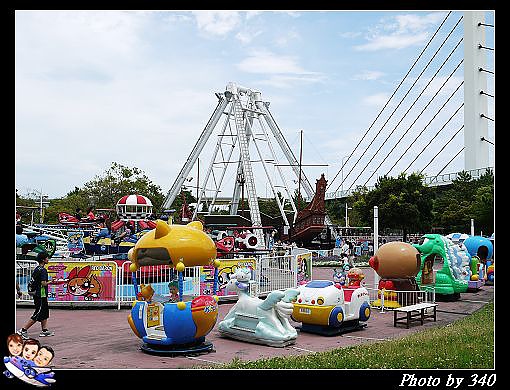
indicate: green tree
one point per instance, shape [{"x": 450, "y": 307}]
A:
[
  {"x": 466, "y": 199},
  {"x": 104, "y": 191},
  {"x": 404, "y": 203},
  {"x": 270, "y": 206}
]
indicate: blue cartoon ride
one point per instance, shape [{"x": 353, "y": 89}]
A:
[{"x": 28, "y": 372}]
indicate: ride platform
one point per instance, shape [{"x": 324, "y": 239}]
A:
[
  {"x": 199, "y": 347},
  {"x": 323, "y": 330}
]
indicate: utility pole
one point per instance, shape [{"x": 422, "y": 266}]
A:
[{"x": 300, "y": 164}]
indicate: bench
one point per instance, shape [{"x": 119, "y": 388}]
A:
[{"x": 414, "y": 313}]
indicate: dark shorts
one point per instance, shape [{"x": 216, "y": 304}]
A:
[{"x": 41, "y": 309}]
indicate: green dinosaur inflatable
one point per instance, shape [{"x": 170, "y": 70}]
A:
[{"x": 452, "y": 279}]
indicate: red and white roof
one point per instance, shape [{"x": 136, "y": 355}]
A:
[{"x": 134, "y": 200}]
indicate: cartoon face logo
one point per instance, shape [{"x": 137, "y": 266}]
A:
[
  {"x": 225, "y": 275},
  {"x": 15, "y": 344},
  {"x": 82, "y": 283},
  {"x": 30, "y": 349},
  {"x": 43, "y": 357}
]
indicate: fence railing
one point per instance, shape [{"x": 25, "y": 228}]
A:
[
  {"x": 276, "y": 273},
  {"x": 392, "y": 299},
  {"x": 271, "y": 273}
]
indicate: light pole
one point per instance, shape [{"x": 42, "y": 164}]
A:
[
  {"x": 43, "y": 203},
  {"x": 346, "y": 216}
]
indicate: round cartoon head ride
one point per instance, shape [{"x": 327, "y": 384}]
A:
[
  {"x": 173, "y": 328},
  {"x": 397, "y": 264}
]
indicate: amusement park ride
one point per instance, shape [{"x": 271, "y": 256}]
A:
[{"x": 245, "y": 129}]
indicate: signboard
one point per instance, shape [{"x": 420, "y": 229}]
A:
[
  {"x": 304, "y": 268},
  {"x": 225, "y": 271},
  {"x": 75, "y": 241},
  {"x": 82, "y": 281}
]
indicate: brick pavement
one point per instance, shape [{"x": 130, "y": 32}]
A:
[{"x": 102, "y": 338}]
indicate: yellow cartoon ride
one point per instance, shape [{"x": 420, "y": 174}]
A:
[{"x": 174, "y": 327}]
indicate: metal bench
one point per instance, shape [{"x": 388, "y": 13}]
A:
[{"x": 414, "y": 313}]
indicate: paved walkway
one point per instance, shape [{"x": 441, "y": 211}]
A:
[{"x": 102, "y": 338}]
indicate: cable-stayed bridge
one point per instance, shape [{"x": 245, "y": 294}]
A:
[
  {"x": 443, "y": 98},
  {"x": 432, "y": 107}
]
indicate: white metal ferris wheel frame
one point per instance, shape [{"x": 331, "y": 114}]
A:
[{"x": 243, "y": 114}]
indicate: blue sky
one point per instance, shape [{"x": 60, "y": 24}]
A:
[{"x": 138, "y": 88}]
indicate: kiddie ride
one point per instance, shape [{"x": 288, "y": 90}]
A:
[
  {"x": 174, "y": 328},
  {"x": 454, "y": 276},
  {"x": 259, "y": 321},
  {"x": 397, "y": 264},
  {"x": 328, "y": 308}
]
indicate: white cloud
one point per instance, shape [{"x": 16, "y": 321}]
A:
[
  {"x": 394, "y": 41},
  {"x": 262, "y": 61},
  {"x": 281, "y": 81},
  {"x": 286, "y": 38},
  {"x": 400, "y": 32},
  {"x": 376, "y": 100},
  {"x": 369, "y": 75},
  {"x": 217, "y": 23},
  {"x": 246, "y": 36},
  {"x": 351, "y": 34}
]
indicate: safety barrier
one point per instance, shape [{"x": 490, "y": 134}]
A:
[
  {"x": 24, "y": 269},
  {"x": 271, "y": 273},
  {"x": 276, "y": 273},
  {"x": 392, "y": 299}
]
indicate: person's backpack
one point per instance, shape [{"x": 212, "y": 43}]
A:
[{"x": 33, "y": 283}]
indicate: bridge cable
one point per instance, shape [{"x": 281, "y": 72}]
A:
[
  {"x": 421, "y": 132},
  {"x": 433, "y": 138},
  {"x": 416, "y": 119},
  {"x": 396, "y": 108},
  {"x": 393, "y": 94},
  {"x": 409, "y": 109},
  {"x": 444, "y": 146},
  {"x": 448, "y": 163}
]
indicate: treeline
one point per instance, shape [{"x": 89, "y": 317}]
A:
[{"x": 404, "y": 202}]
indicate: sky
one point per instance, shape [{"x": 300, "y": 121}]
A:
[{"x": 138, "y": 87}]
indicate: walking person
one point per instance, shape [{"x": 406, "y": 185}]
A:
[{"x": 41, "y": 312}]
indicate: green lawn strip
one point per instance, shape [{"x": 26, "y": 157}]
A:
[{"x": 465, "y": 343}]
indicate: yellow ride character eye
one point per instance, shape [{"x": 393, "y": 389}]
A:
[{"x": 320, "y": 301}]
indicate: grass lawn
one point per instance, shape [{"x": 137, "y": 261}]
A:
[{"x": 466, "y": 343}]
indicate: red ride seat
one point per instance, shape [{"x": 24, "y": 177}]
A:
[{"x": 348, "y": 294}]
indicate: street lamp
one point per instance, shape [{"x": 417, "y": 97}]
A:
[{"x": 346, "y": 216}]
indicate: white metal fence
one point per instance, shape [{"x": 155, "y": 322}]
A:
[
  {"x": 158, "y": 276},
  {"x": 272, "y": 273},
  {"x": 24, "y": 269},
  {"x": 392, "y": 299},
  {"x": 276, "y": 273}
]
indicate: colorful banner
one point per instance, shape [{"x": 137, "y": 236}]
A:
[
  {"x": 75, "y": 241},
  {"x": 226, "y": 269},
  {"x": 82, "y": 281},
  {"x": 304, "y": 268}
]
